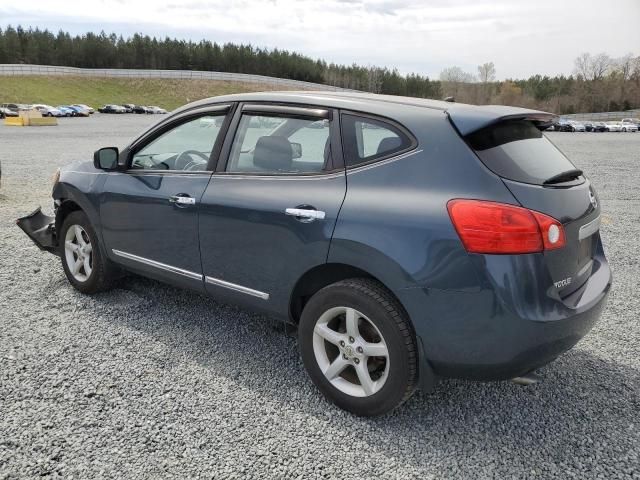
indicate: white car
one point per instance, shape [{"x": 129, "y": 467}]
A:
[
  {"x": 48, "y": 110},
  {"x": 84, "y": 107},
  {"x": 629, "y": 124},
  {"x": 155, "y": 109},
  {"x": 613, "y": 126}
]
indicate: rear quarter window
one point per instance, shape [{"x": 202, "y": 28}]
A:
[
  {"x": 367, "y": 139},
  {"x": 518, "y": 150}
]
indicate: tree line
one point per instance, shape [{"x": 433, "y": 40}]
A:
[{"x": 598, "y": 82}]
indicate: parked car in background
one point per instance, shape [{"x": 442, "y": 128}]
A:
[
  {"x": 156, "y": 109},
  {"x": 577, "y": 126},
  {"x": 561, "y": 125},
  {"x": 629, "y": 125},
  {"x": 48, "y": 110},
  {"x": 486, "y": 265},
  {"x": 141, "y": 109},
  {"x": 79, "y": 111},
  {"x": 128, "y": 107},
  {"x": 84, "y": 107},
  {"x": 6, "y": 112},
  {"x": 16, "y": 107},
  {"x": 599, "y": 127},
  {"x": 110, "y": 108},
  {"x": 68, "y": 112},
  {"x": 613, "y": 127},
  {"x": 588, "y": 126},
  {"x": 10, "y": 106}
]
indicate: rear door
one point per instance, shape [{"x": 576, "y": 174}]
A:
[
  {"x": 543, "y": 179},
  {"x": 268, "y": 214},
  {"x": 149, "y": 212}
]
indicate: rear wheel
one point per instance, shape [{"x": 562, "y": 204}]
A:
[
  {"x": 84, "y": 264},
  {"x": 358, "y": 347}
]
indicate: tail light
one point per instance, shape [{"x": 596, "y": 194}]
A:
[{"x": 498, "y": 228}]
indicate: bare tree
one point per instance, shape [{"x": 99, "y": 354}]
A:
[
  {"x": 601, "y": 63},
  {"x": 456, "y": 75},
  {"x": 582, "y": 65},
  {"x": 486, "y": 72},
  {"x": 592, "y": 67},
  {"x": 625, "y": 66}
]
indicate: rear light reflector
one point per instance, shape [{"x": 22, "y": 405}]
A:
[{"x": 499, "y": 228}]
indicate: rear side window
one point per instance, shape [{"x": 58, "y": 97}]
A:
[
  {"x": 517, "y": 150},
  {"x": 367, "y": 139}
]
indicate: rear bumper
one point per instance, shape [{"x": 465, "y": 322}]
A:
[
  {"x": 507, "y": 327},
  {"x": 40, "y": 228}
]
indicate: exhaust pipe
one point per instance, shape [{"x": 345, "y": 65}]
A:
[{"x": 527, "y": 379}]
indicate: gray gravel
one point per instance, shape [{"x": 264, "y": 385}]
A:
[{"x": 147, "y": 381}]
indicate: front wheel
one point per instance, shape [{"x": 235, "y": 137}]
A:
[
  {"x": 84, "y": 264},
  {"x": 358, "y": 347}
]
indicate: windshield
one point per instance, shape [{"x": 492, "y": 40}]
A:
[{"x": 517, "y": 150}]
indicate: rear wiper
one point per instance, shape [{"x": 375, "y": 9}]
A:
[{"x": 563, "y": 177}]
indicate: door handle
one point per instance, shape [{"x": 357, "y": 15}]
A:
[
  {"x": 182, "y": 200},
  {"x": 304, "y": 214}
]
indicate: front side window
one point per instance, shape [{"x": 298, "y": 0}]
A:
[
  {"x": 366, "y": 139},
  {"x": 186, "y": 147},
  {"x": 280, "y": 145}
]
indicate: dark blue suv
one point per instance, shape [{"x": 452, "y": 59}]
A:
[{"x": 407, "y": 239}]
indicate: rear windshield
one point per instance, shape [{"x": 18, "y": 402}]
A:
[{"x": 517, "y": 150}]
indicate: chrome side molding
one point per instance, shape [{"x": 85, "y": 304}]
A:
[
  {"x": 237, "y": 288},
  {"x": 160, "y": 265},
  {"x": 192, "y": 275}
]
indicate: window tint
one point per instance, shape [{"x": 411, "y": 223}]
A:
[
  {"x": 518, "y": 151},
  {"x": 366, "y": 139},
  {"x": 268, "y": 144},
  {"x": 185, "y": 147}
]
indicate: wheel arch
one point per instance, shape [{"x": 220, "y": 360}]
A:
[
  {"x": 323, "y": 275},
  {"x": 65, "y": 207}
]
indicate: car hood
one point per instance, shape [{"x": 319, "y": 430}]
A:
[{"x": 79, "y": 166}]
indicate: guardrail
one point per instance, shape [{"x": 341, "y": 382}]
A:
[
  {"x": 14, "y": 69},
  {"x": 603, "y": 116}
]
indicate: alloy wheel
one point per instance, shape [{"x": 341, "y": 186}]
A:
[
  {"x": 351, "y": 352},
  {"x": 78, "y": 253}
]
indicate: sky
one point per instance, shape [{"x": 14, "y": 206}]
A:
[{"x": 521, "y": 37}]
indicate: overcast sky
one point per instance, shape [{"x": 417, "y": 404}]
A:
[{"x": 522, "y": 38}]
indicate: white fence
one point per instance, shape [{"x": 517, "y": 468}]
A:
[
  {"x": 20, "y": 69},
  {"x": 603, "y": 116}
]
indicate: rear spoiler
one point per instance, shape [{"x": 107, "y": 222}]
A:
[{"x": 468, "y": 119}]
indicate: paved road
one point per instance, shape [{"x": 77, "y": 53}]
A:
[{"x": 150, "y": 382}]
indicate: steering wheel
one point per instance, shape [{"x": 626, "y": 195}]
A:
[{"x": 185, "y": 161}]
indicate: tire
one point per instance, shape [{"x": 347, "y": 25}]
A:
[
  {"x": 98, "y": 273},
  {"x": 381, "y": 324}
]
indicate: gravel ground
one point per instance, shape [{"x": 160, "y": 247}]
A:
[{"x": 151, "y": 382}]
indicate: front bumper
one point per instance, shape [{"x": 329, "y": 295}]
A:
[{"x": 40, "y": 228}]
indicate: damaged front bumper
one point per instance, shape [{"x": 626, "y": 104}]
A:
[{"x": 40, "y": 228}]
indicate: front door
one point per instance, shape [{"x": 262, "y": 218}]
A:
[
  {"x": 268, "y": 216},
  {"x": 149, "y": 212}
]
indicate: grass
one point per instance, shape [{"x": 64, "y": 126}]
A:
[{"x": 64, "y": 90}]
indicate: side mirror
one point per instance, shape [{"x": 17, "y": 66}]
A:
[
  {"x": 106, "y": 158},
  {"x": 296, "y": 148}
]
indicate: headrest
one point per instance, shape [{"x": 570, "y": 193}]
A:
[
  {"x": 273, "y": 153},
  {"x": 387, "y": 144}
]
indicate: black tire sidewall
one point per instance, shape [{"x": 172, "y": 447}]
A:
[
  {"x": 399, "y": 379},
  {"x": 93, "y": 283}
]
